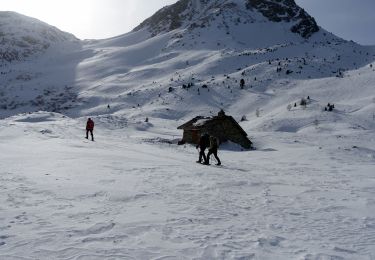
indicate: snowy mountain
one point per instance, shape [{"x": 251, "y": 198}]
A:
[
  {"x": 305, "y": 193},
  {"x": 212, "y": 43},
  {"x": 239, "y": 23},
  {"x": 22, "y": 36},
  {"x": 202, "y": 13},
  {"x": 28, "y": 47}
]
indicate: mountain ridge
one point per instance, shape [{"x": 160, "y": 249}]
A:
[
  {"x": 306, "y": 192},
  {"x": 198, "y": 13},
  {"x": 22, "y": 37},
  {"x": 140, "y": 74}
]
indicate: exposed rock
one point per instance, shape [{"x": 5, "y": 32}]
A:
[
  {"x": 286, "y": 11},
  {"x": 169, "y": 17},
  {"x": 192, "y": 14}
]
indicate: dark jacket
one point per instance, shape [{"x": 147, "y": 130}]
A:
[
  {"x": 90, "y": 125},
  {"x": 204, "y": 141},
  {"x": 213, "y": 144}
]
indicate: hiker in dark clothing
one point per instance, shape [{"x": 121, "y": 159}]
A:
[
  {"x": 203, "y": 144},
  {"x": 90, "y": 128},
  {"x": 213, "y": 150}
]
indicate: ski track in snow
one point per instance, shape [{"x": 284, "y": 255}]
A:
[{"x": 63, "y": 197}]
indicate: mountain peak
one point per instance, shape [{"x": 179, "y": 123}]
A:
[{"x": 192, "y": 14}]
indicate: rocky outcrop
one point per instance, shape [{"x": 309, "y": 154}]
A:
[
  {"x": 194, "y": 14},
  {"x": 286, "y": 11},
  {"x": 168, "y": 18}
]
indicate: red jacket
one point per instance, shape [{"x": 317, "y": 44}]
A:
[{"x": 90, "y": 125}]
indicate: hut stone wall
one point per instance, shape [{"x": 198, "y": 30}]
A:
[
  {"x": 222, "y": 127},
  {"x": 192, "y": 136}
]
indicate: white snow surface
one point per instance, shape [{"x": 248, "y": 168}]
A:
[
  {"x": 306, "y": 192},
  {"x": 137, "y": 195}
]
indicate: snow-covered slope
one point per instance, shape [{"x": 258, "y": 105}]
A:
[
  {"x": 36, "y": 61},
  {"x": 305, "y": 193},
  {"x": 143, "y": 73},
  {"x": 22, "y": 37}
]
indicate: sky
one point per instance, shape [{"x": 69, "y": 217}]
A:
[
  {"x": 98, "y": 19},
  {"x": 349, "y": 19}
]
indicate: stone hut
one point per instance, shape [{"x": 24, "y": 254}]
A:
[{"x": 223, "y": 127}]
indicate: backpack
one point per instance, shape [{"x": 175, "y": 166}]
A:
[{"x": 214, "y": 144}]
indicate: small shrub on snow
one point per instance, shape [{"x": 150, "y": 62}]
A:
[{"x": 329, "y": 107}]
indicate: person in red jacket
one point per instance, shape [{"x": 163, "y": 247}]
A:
[{"x": 90, "y": 128}]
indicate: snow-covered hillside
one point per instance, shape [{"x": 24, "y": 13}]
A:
[
  {"x": 144, "y": 73},
  {"x": 22, "y": 37},
  {"x": 190, "y": 15},
  {"x": 305, "y": 193}
]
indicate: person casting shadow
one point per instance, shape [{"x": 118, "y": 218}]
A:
[
  {"x": 203, "y": 143},
  {"x": 90, "y": 128},
  {"x": 213, "y": 150}
]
